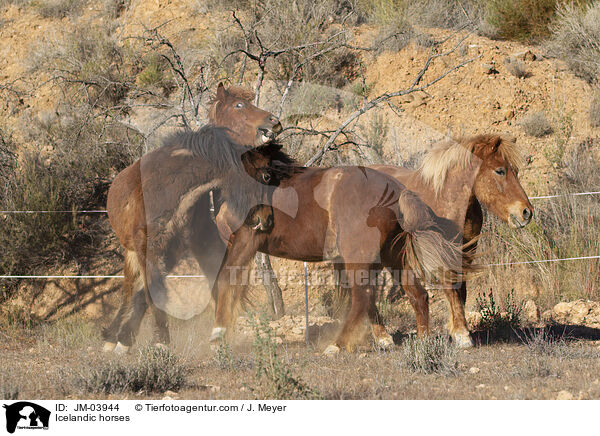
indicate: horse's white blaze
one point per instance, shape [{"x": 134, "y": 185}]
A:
[
  {"x": 217, "y": 334},
  {"x": 108, "y": 347},
  {"x": 331, "y": 350},
  {"x": 121, "y": 349}
]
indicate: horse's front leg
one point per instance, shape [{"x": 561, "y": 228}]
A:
[
  {"x": 231, "y": 283},
  {"x": 457, "y": 322}
]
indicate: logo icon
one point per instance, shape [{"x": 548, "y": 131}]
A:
[{"x": 26, "y": 415}]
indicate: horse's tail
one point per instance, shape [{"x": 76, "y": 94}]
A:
[{"x": 425, "y": 249}]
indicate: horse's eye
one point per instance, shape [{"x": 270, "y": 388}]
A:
[
  {"x": 239, "y": 105},
  {"x": 266, "y": 177},
  {"x": 500, "y": 171}
]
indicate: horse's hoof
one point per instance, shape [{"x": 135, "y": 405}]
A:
[
  {"x": 108, "y": 347},
  {"x": 218, "y": 334},
  {"x": 121, "y": 349},
  {"x": 331, "y": 350},
  {"x": 463, "y": 340},
  {"x": 385, "y": 342}
]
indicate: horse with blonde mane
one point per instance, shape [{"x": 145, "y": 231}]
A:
[{"x": 455, "y": 179}]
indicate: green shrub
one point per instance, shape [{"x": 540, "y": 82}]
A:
[{"x": 500, "y": 320}]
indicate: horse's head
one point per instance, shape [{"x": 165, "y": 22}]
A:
[
  {"x": 269, "y": 165},
  {"x": 232, "y": 108},
  {"x": 497, "y": 185}
]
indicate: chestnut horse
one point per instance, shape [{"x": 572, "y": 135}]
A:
[
  {"x": 169, "y": 217},
  {"x": 246, "y": 124},
  {"x": 361, "y": 217},
  {"x": 455, "y": 179}
]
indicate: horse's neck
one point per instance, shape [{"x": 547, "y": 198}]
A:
[{"x": 456, "y": 195}]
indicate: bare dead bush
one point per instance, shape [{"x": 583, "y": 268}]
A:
[
  {"x": 446, "y": 14},
  {"x": 576, "y": 39},
  {"x": 59, "y": 8},
  {"x": 520, "y": 19},
  {"x": 595, "y": 109}
]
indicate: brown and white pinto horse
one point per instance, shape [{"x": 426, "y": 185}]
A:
[
  {"x": 246, "y": 124},
  {"x": 455, "y": 179}
]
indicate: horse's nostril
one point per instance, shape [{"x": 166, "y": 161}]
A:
[{"x": 526, "y": 213}]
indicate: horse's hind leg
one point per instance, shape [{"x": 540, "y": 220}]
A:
[
  {"x": 130, "y": 280},
  {"x": 361, "y": 297},
  {"x": 131, "y": 326},
  {"x": 162, "y": 325},
  {"x": 382, "y": 338},
  {"x": 419, "y": 300}
]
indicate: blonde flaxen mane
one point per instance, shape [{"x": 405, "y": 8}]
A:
[{"x": 458, "y": 153}]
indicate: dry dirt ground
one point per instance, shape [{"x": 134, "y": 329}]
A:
[{"x": 54, "y": 360}]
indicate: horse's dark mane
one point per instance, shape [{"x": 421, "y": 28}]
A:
[
  {"x": 211, "y": 144},
  {"x": 282, "y": 165}
]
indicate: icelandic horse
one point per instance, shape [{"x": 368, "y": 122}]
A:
[
  {"x": 360, "y": 217},
  {"x": 244, "y": 124},
  {"x": 455, "y": 179}
]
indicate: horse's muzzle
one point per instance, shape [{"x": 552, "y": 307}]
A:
[{"x": 520, "y": 221}]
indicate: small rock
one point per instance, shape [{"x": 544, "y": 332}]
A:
[
  {"x": 532, "y": 312},
  {"x": 489, "y": 68},
  {"x": 547, "y": 316},
  {"x": 474, "y": 370},
  {"x": 526, "y": 55},
  {"x": 564, "y": 395}
]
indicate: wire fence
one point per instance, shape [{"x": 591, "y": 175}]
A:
[{"x": 7, "y": 212}]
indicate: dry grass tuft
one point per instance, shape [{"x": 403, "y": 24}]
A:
[
  {"x": 516, "y": 67},
  {"x": 536, "y": 124},
  {"x": 430, "y": 354},
  {"x": 154, "y": 370}
]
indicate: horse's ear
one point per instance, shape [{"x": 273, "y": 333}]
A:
[
  {"x": 496, "y": 141},
  {"x": 221, "y": 91}
]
